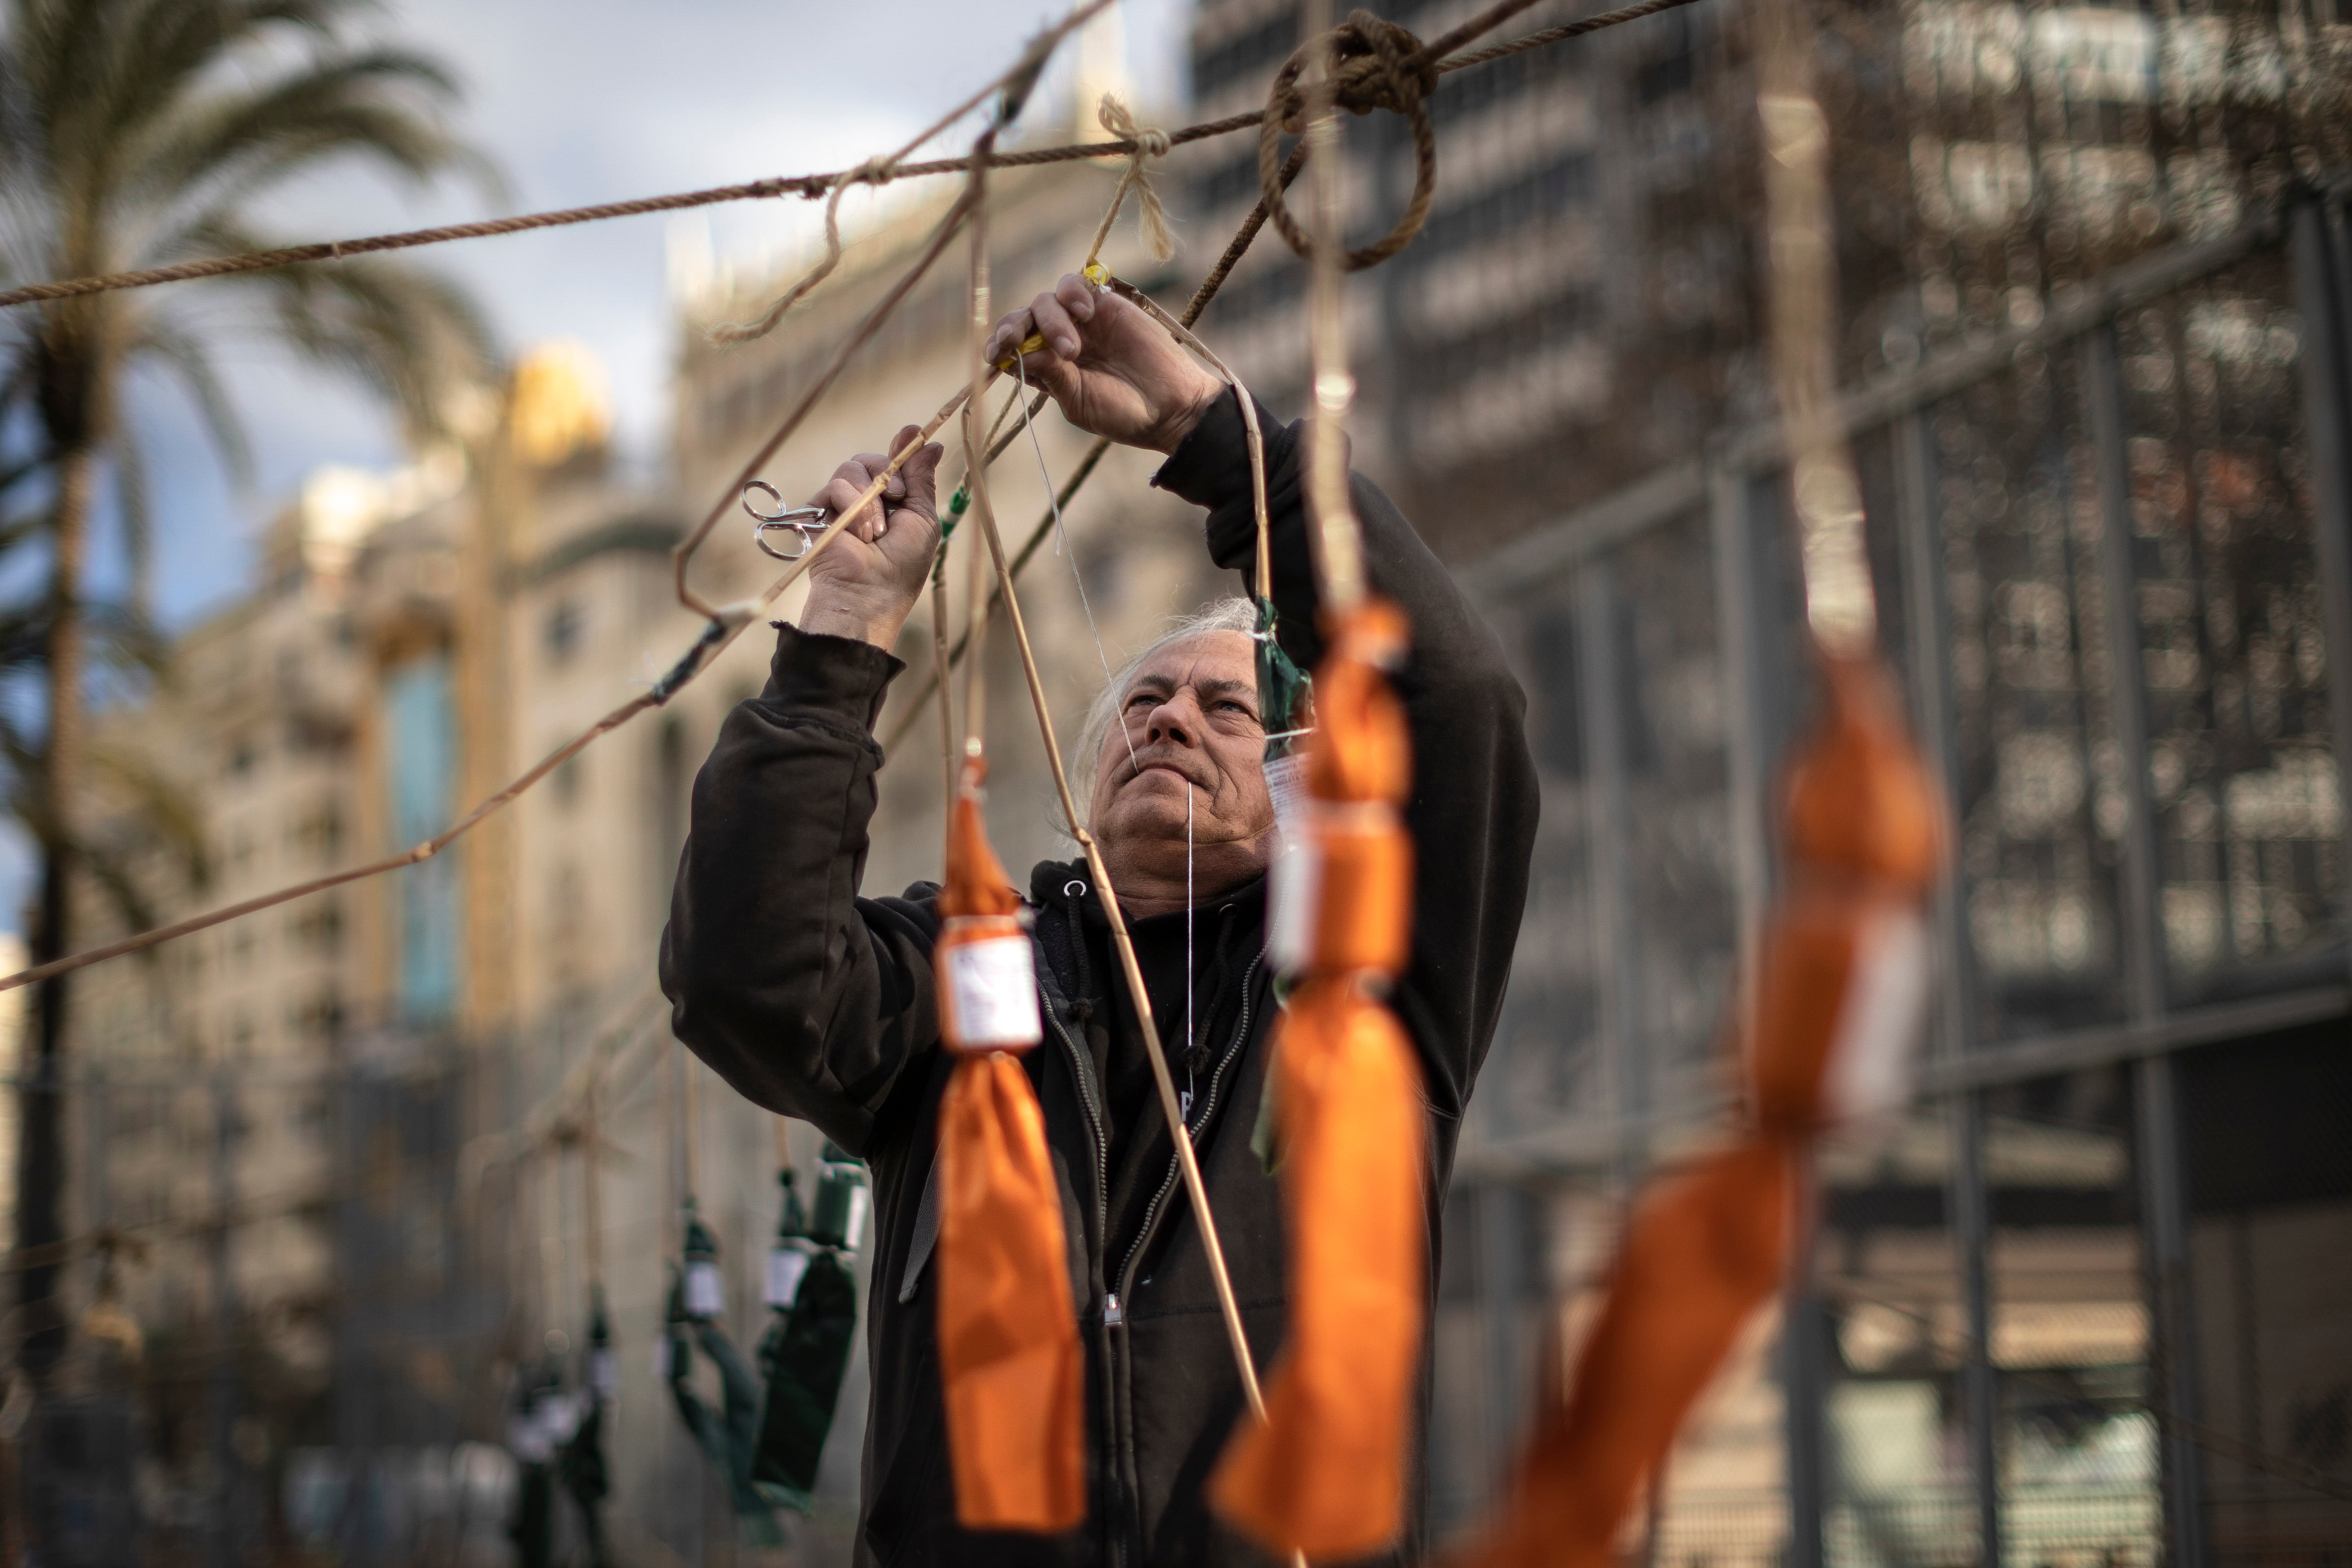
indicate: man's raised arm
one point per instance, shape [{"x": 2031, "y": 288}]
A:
[{"x": 805, "y": 998}]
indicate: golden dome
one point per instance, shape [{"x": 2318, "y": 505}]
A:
[{"x": 560, "y": 403}]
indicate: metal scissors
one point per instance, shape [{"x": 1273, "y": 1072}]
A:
[{"x": 804, "y": 523}]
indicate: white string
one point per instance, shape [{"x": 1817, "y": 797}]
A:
[
  {"x": 1061, "y": 543},
  {"x": 1189, "y": 1042}
]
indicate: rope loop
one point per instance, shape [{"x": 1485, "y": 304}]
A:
[
  {"x": 1380, "y": 65},
  {"x": 876, "y": 171}
]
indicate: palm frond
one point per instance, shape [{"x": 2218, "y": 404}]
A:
[
  {"x": 373, "y": 108},
  {"x": 109, "y": 865},
  {"x": 134, "y": 501},
  {"x": 188, "y": 358},
  {"x": 159, "y": 803},
  {"x": 406, "y": 332}
]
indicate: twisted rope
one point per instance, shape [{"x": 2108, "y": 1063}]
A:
[
  {"x": 729, "y": 623},
  {"x": 1376, "y": 64},
  {"x": 811, "y": 186},
  {"x": 876, "y": 171}
]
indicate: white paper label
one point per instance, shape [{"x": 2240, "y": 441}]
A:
[
  {"x": 1869, "y": 1070},
  {"x": 1293, "y": 888},
  {"x": 994, "y": 984},
  {"x": 528, "y": 1439},
  {"x": 1285, "y": 781},
  {"x": 705, "y": 1295},
  {"x": 852, "y": 1224},
  {"x": 557, "y": 1418},
  {"x": 786, "y": 1267}
]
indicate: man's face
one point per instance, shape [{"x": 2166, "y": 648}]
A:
[{"x": 1190, "y": 716}]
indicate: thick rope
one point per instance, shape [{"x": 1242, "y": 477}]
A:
[
  {"x": 875, "y": 173},
  {"x": 1377, "y": 64},
  {"x": 811, "y": 186},
  {"x": 725, "y": 625}
]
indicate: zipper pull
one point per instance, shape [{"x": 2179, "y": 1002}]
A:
[{"x": 1113, "y": 1314}]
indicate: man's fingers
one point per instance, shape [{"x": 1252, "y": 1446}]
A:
[
  {"x": 848, "y": 482},
  {"x": 1011, "y": 330},
  {"x": 874, "y": 463},
  {"x": 1053, "y": 322},
  {"x": 922, "y": 474},
  {"x": 1076, "y": 296}
]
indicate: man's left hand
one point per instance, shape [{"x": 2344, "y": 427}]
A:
[{"x": 1114, "y": 371}]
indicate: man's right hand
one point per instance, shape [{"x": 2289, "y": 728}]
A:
[
  {"x": 866, "y": 583},
  {"x": 1114, "y": 371}
]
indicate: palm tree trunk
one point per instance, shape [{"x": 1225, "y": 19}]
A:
[{"x": 41, "y": 1163}]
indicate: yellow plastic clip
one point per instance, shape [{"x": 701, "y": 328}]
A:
[
  {"x": 1029, "y": 345},
  {"x": 1096, "y": 273}
]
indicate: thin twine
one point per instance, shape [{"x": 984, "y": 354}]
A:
[
  {"x": 1148, "y": 143},
  {"x": 1061, "y": 547},
  {"x": 1187, "y": 1164},
  {"x": 1192, "y": 1032}
]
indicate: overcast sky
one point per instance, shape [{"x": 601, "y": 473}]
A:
[{"x": 591, "y": 101}]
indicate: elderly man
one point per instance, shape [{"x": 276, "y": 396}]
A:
[{"x": 816, "y": 1002}]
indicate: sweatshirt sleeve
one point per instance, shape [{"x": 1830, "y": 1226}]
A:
[
  {"x": 806, "y": 998},
  {"x": 1471, "y": 812}
]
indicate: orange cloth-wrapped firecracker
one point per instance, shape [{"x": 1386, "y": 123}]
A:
[
  {"x": 1840, "y": 980},
  {"x": 1007, "y": 1333},
  {"x": 1326, "y": 1474}
]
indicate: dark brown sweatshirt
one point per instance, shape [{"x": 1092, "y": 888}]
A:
[{"x": 814, "y": 1001}]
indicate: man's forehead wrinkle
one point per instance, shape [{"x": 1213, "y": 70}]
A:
[{"x": 1163, "y": 671}]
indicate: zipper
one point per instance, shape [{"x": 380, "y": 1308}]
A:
[
  {"x": 1083, "y": 1068},
  {"x": 1208, "y": 1108},
  {"x": 1084, "y": 1071}
]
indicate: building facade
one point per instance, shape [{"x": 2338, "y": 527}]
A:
[{"x": 2094, "y": 266}]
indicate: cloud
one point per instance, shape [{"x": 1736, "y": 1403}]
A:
[{"x": 590, "y": 100}]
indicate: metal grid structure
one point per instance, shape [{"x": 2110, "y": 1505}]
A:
[{"x": 2115, "y": 554}]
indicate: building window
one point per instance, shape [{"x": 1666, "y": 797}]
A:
[{"x": 563, "y": 633}]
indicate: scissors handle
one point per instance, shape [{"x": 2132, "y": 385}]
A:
[{"x": 802, "y": 522}]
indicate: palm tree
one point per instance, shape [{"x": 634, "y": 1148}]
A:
[{"x": 134, "y": 133}]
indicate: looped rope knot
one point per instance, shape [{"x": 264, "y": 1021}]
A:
[
  {"x": 1149, "y": 142},
  {"x": 1377, "y": 64},
  {"x": 1381, "y": 65}
]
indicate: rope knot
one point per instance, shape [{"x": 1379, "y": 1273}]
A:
[
  {"x": 1149, "y": 142},
  {"x": 1376, "y": 64},
  {"x": 1381, "y": 65}
]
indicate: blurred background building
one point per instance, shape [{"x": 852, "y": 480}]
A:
[{"x": 2085, "y": 1302}]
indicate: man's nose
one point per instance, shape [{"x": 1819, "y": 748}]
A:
[{"x": 1177, "y": 719}]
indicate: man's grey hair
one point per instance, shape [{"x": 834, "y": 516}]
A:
[{"x": 1219, "y": 615}]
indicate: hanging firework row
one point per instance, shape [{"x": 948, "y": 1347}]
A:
[{"x": 1825, "y": 1034}]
